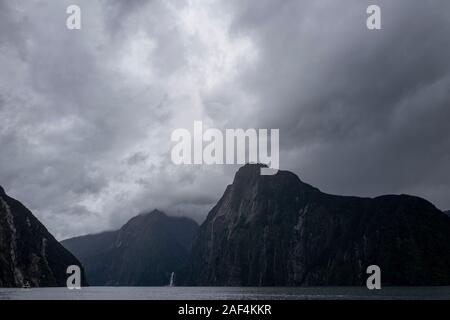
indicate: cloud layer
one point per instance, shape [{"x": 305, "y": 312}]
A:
[{"x": 86, "y": 116}]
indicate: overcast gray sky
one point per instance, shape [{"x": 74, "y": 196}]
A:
[{"x": 86, "y": 116}]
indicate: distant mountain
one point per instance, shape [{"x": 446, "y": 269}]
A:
[
  {"x": 279, "y": 231},
  {"x": 28, "y": 252},
  {"x": 144, "y": 252}
]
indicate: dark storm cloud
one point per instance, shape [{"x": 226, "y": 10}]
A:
[
  {"x": 86, "y": 116},
  {"x": 360, "y": 112},
  {"x": 79, "y": 107}
]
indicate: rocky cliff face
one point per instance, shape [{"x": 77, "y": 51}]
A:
[
  {"x": 278, "y": 231},
  {"x": 144, "y": 252},
  {"x": 28, "y": 252}
]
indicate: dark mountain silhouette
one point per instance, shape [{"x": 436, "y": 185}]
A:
[
  {"x": 144, "y": 252},
  {"x": 447, "y": 212},
  {"x": 29, "y": 254},
  {"x": 279, "y": 231}
]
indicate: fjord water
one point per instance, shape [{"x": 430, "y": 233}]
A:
[{"x": 226, "y": 293}]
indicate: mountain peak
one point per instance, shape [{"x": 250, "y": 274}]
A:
[
  {"x": 143, "y": 252},
  {"x": 279, "y": 231},
  {"x": 252, "y": 166},
  {"x": 155, "y": 213},
  {"x": 2, "y": 191},
  {"x": 249, "y": 172}
]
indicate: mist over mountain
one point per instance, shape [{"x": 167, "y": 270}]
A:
[
  {"x": 29, "y": 254},
  {"x": 144, "y": 252},
  {"x": 279, "y": 231}
]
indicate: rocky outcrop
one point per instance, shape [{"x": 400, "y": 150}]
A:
[
  {"x": 144, "y": 252},
  {"x": 29, "y": 254},
  {"x": 279, "y": 231}
]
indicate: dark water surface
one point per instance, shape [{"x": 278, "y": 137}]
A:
[{"x": 226, "y": 293}]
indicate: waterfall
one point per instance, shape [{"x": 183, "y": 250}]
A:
[{"x": 172, "y": 276}]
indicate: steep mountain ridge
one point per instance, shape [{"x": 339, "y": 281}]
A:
[
  {"x": 279, "y": 231},
  {"x": 29, "y": 254}
]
